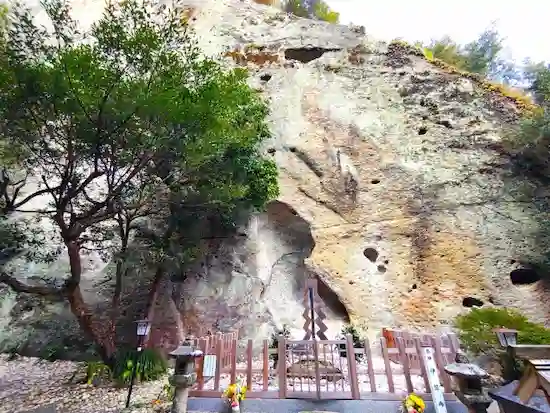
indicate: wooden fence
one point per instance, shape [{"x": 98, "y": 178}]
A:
[{"x": 378, "y": 370}]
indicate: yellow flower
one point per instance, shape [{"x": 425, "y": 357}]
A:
[{"x": 416, "y": 402}]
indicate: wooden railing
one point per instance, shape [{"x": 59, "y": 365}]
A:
[{"x": 374, "y": 371}]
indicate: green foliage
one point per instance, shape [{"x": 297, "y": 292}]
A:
[
  {"x": 168, "y": 134},
  {"x": 151, "y": 365},
  {"x": 321, "y": 10},
  {"x": 297, "y": 8},
  {"x": 97, "y": 370},
  {"x": 358, "y": 341},
  {"x": 481, "y": 56},
  {"x": 476, "y": 329},
  {"x": 285, "y": 332}
]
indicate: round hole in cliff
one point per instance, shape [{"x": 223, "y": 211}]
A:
[
  {"x": 422, "y": 130},
  {"x": 386, "y": 262},
  {"x": 414, "y": 286},
  {"x": 271, "y": 151},
  {"x": 292, "y": 149},
  {"x": 375, "y": 181},
  {"x": 512, "y": 262},
  {"x": 381, "y": 269},
  {"x": 266, "y": 77},
  {"x": 371, "y": 254},
  {"x": 471, "y": 302},
  {"x": 524, "y": 276}
]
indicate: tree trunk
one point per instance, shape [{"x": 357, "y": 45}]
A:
[
  {"x": 153, "y": 294},
  {"x": 99, "y": 331}
]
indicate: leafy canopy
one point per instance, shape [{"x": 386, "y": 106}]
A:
[
  {"x": 316, "y": 9},
  {"x": 109, "y": 111},
  {"x": 476, "y": 329}
]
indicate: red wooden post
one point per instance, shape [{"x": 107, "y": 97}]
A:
[
  {"x": 249, "y": 365},
  {"x": 219, "y": 350},
  {"x": 233, "y": 359},
  {"x": 436, "y": 344},
  {"x": 352, "y": 368},
  {"x": 405, "y": 363},
  {"x": 387, "y": 365},
  {"x": 200, "y": 376},
  {"x": 370, "y": 367},
  {"x": 282, "y": 367},
  {"x": 265, "y": 368}
]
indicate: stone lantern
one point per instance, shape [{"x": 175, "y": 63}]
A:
[
  {"x": 184, "y": 375},
  {"x": 471, "y": 390}
]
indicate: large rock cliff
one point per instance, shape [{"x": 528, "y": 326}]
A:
[{"x": 394, "y": 189}]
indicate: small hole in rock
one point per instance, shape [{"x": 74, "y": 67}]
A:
[
  {"x": 381, "y": 268},
  {"x": 523, "y": 276},
  {"x": 271, "y": 151},
  {"x": 471, "y": 302},
  {"x": 292, "y": 149},
  {"x": 351, "y": 282},
  {"x": 371, "y": 254},
  {"x": 266, "y": 77},
  {"x": 422, "y": 130},
  {"x": 446, "y": 123},
  {"x": 512, "y": 262},
  {"x": 375, "y": 181},
  {"x": 414, "y": 287},
  {"x": 386, "y": 262}
]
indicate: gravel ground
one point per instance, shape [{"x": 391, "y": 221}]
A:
[{"x": 27, "y": 383}]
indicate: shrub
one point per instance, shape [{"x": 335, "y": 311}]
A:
[
  {"x": 319, "y": 11},
  {"x": 97, "y": 370},
  {"x": 275, "y": 343},
  {"x": 358, "y": 341},
  {"x": 476, "y": 329},
  {"x": 151, "y": 365}
]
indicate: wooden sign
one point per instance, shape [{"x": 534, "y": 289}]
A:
[
  {"x": 433, "y": 379},
  {"x": 209, "y": 366}
]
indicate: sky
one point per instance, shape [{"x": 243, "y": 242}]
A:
[{"x": 526, "y": 29}]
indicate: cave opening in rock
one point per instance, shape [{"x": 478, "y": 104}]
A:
[
  {"x": 524, "y": 276},
  {"x": 306, "y": 54},
  {"x": 284, "y": 290},
  {"x": 470, "y": 302}
]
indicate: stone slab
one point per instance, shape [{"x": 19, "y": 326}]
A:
[{"x": 298, "y": 406}]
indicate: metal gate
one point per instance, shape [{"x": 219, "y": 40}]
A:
[{"x": 319, "y": 369}]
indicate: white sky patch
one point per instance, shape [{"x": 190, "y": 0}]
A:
[{"x": 525, "y": 28}]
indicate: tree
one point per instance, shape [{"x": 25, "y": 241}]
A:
[
  {"x": 317, "y": 9},
  {"x": 133, "y": 123},
  {"x": 323, "y": 12},
  {"x": 481, "y": 56},
  {"x": 482, "y": 53}
]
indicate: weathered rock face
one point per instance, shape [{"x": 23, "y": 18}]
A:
[
  {"x": 393, "y": 188},
  {"x": 394, "y": 163}
]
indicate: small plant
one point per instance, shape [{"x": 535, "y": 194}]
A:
[
  {"x": 358, "y": 342},
  {"x": 97, "y": 370},
  {"x": 150, "y": 365},
  {"x": 413, "y": 404},
  {"x": 275, "y": 343},
  {"x": 234, "y": 394}
]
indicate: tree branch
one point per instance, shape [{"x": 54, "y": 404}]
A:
[{"x": 18, "y": 286}]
